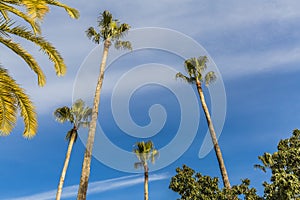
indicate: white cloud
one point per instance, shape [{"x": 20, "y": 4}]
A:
[{"x": 95, "y": 187}]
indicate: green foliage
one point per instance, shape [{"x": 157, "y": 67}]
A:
[
  {"x": 78, "y": 115},
  {"x": 285, "y": 167},
  {"x": 195, "y": 67},
  {"x": 111, "y": 30},
  {"x": 145, "y": 151},
  {"x": 284, "y": 182},
  {"x": 194, "y": 186}
]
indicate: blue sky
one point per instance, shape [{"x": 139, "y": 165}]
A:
[{"x": 255, "y": 46}]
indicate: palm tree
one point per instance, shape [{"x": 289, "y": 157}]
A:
[
  {"x": 145, "y": 151},
  {"x": 110, "y": 30},
  {"x": 195, "y": 68},
  {"x": 35, "y": 11},
  {"x": 78, "y": 115}
]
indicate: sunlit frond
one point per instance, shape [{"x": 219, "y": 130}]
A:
[
  {"x": 71, "y": 11},
  {"x": 210, "y": 77},
  {"x": 18, "y": 99},
  {"x": 46, "y": 47},
  {"x": 26, "y": 57},
  {"x": 37, "y": 9},
  {"x": 5, "y": 8}
]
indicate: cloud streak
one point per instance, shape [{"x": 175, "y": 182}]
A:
[{"x": 95, "y": 187}]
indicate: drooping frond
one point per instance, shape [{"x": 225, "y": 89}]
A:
[
  {"x": 92, "y": 34},
  {"x": 46, "y": 47},
  {"x": 3, "y": 24},
  {"x": 71, "y": 11},
  {"x": 210, "y": 77},
  {"x": 201, "y": 64},
  {"x": 7, "y": 8},
  {"x": 123, "y": 45},
  {"x": 63, "y": 114},
  {"x": 26, "y": 57},
  {"x": 185, "y": 78},
  {"x": 154, "y": 155},
  {"x": 18, "y": 99},
  {"x": 37, "y": 9}
]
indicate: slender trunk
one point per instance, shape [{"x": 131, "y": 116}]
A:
[
  {"x": 85, "y": 173},
  {"x": 146, "y": 178},
  {"x": 67, "y": 159},
  {"x": 213, "y": 137}
]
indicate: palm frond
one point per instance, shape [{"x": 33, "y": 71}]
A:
[
  {"x": 119, "y": 31},
  {"x": 63, "y": 114},
  {"x": 201, "y": 64},
  {"x": 93, "y": 35},
  {"x": 26, "y": 57},
  {"x": 6, "y": 8},
  {"x": 185, "y": 78},
  {"x": 46, "y": 47},
  {"x": 123, "y": 45},
  {"x": 71, "y": 11},
  {"x": 22, "y": 101},
  {"x": 37, "y": 9},
  {"x": 210, "y": 77},
  {"x": 8, "y": 106}
]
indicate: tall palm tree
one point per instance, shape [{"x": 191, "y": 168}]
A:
[
  {"x": 110, "y": 30},
  {"x": 33, "y": 15},
  {"x": 145, "y": 151},
  {"x": 195, "y": 68},
  {"x": 78, "y": 115}
]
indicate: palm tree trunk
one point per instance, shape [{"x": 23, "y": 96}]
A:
[
  {"x": 213, "y": 137},
  {"x": 67, "y": 159},
  {"x": 146, "y": 178},
  {"x": 85, "y": 173}
]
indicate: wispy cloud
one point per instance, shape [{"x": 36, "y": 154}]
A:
[{"x": 95, "y": 187}]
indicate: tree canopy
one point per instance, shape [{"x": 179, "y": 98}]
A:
[{"x": 284, "y": 183}]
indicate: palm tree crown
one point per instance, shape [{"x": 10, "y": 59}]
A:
[
  {"x": 78, "y": 115},
  {"x": 195, "y": 68},
  {"x": 110, "y": 29},
  {"x": 145, "y": 151}
]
